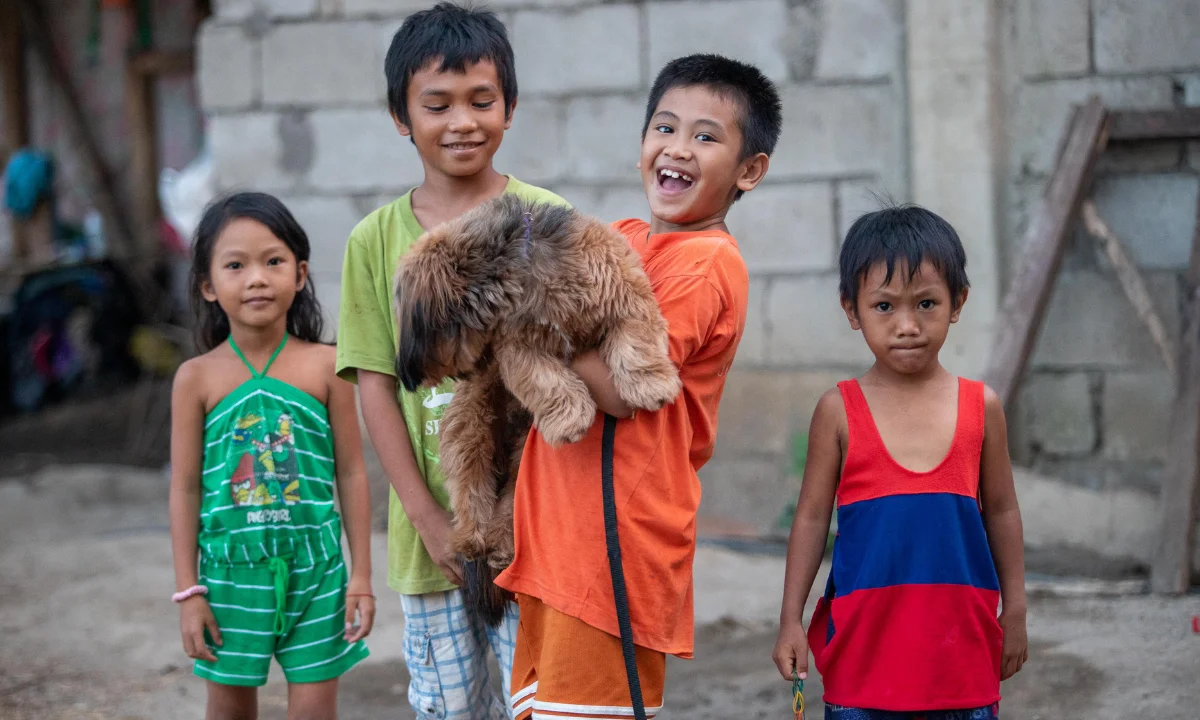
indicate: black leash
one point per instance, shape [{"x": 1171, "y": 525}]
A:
[{"x": 614, "y": 566}]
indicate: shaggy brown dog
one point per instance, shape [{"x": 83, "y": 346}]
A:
[{"x": 502, "y": 298}]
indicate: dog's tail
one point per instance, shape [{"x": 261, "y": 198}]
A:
[{"x": 481, "y": 594}]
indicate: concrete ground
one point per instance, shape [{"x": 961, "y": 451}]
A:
[{"x": 88, "y": 631}]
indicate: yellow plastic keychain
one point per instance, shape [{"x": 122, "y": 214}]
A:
[{"x": 797, "y": 695}]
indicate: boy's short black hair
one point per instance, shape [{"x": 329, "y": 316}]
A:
[
  {"x": 908, "y": 236},
  {"x": 459, "y": 36},
  {"x": 761, "y": 110}
]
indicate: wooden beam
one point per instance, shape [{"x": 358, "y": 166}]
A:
[
  {"x": 41, "y": 37},
  {"x": 1025, "y": 303},
  {"x": 1132, "y": 283},
  {"x": 163, "y": 62},
  {"x": 1140, "y": 125},
  {"x": 1170, "y": 571},
  {"x": 141, "y": 116}
]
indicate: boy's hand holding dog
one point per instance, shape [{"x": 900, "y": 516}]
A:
[
  {"x": 195, "y": 616},
  {"x": 436, "y": 527}
]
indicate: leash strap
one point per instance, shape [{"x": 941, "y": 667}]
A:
[{"x": 613, "y": 545}]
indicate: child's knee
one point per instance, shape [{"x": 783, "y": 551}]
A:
[{"x": 227, "y": 702}]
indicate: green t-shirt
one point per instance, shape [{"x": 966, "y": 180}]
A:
[{"x": 367, "y": 340}]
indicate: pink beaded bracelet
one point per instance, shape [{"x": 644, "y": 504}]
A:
[{"x": 193, "y": 590}]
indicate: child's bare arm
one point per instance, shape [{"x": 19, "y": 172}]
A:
[
  {"x": 810, "y": 529},
  {"x": 355, "y": 499},
  {"x": 596, "y": 375},
  {"x": 187, "y": 440},
  {"x": 1002, "y": 519},
  {"x": 389, "y": 436}
]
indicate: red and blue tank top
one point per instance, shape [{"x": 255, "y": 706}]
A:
[{"x": 908, "y": 620}]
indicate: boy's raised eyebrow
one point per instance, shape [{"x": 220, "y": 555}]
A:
[{"x": 666, "y": 115}]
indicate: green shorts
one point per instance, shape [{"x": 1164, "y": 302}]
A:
[{"x": 304, "y": 632}]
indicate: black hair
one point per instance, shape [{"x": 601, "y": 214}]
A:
[
  {"x": 458, "y": 36},
  {"x": 304, "y": 319},
  {"x": 906, "y": 235},
  {"x": 755, "y": 95}
]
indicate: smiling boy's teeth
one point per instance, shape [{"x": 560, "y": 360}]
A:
[{"x": 675, "y": 174}]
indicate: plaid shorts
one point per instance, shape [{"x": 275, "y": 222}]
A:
[
  {"x": 445, "y": 649},
  {"x": 837, "y": 712}
]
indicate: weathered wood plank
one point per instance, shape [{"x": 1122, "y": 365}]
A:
[
  {"x": 1138, "y": 125},
  {"x": 1132, "y": 283},
  {"x": 1025, "y": 303},
  {"x": 1171, "y": 568}
]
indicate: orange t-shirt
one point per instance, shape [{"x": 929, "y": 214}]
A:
[{"x": 701, "y": 285}]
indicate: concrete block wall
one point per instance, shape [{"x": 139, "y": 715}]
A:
[{"x": 1096, "y": 407}]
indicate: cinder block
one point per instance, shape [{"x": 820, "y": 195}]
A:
[
  {"x": 837, "y": 131},
  {"x": 752, "y": 350},
  {"x": 314, "y": 64},
  {"x": 1057, "y": 413},
  {"x": 1040, "y": 112},
  {"x": 1052, "y": 37},
  {"x": 1137, "y": 415},
  {"x": 291, "y": 9},
  {"x": 604, "y": 138},
  {"x": 227, "y": 68},
  {"x": 819, "y": 336},
  {"x": 1134, "y": 36},
  {"x": 861, "y": 39},
  {"x": 607, "y": 203},
  {"x": 360, "y": 151},
  {"x": 248, "y": 152},
  {"x": 327, "y": 222},
  {"x": 1154, "y": 215},
  {"x": 1090, "y": 323},
  {"x": 785, "y": 228},
  {"x": 753, "y": 31},
  {"x": 534, "y": 147},
  {"x": 594, "y": 49}
]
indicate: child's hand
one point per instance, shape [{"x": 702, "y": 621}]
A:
[
  {"x": 791, "y": 651},
  {"x": 360, "y": 610},
  {"x": 436, "y": 528},
  {"x": 195, "y": 616},
  {"x": 1016, "y": 644}
]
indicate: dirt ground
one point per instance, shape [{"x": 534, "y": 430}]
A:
[{"x": 88, "y": 631}]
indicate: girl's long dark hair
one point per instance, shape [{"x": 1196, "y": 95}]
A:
[{"x": 304, "y": 319}]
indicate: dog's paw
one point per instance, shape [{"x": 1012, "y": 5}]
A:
[
  {"x": 500, "y": 559},
  {"x": 568, "y": 422},
  {"x": 469, "y": 545},
  {"x": 651, "y": 390}
]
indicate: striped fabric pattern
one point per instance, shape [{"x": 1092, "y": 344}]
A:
[
  {"x": 270, "y": 537},
  {"x": 311, "y": 647},
  {"x": 908, "y": 620}
]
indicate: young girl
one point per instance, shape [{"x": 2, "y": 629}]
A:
[
  {"x": 261, "y": 430},
  {"x": 929, "y": 532}
]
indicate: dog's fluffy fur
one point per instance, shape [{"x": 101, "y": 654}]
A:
[{"x": 480, "y": 300}]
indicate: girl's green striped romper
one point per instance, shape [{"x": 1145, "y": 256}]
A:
[{"x": 270, "y": 537}]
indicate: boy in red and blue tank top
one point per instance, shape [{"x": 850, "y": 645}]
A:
[{"x": 929, "y": 533}]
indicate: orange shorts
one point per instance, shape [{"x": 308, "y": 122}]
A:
[{"x": 565, "y": 668}]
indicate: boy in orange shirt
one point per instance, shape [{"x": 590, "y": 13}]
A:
[{"x": 711, "y": 125}]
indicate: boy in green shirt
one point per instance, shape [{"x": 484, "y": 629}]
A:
[{"x": 452, "y": 90}]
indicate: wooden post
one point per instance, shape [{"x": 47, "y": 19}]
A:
[
  {"x": 33, "y": 238},
  {"x": 1171, "y": 569},
  {"x": 1045, "y": 241},
  {"x": 38, "y": 30}
]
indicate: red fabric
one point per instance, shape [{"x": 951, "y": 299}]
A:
[{"x": 870, "y": 471}]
